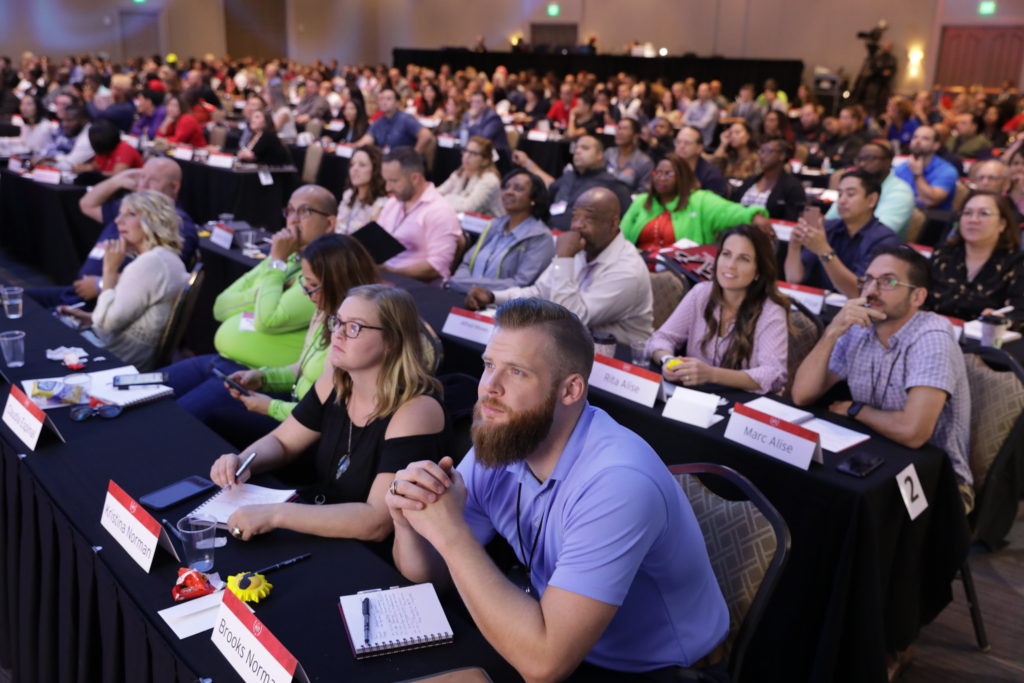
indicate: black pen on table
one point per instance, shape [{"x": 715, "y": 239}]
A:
[
  {"x": 366, "y": 620},
  {"x": 245, "y": 464}
]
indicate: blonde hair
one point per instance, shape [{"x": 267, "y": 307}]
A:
[
  {"x": 160, "y": 222},
  {"x": 403, "y": 375}
]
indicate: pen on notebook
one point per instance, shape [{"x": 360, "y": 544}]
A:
[
  {"x": 366, "y": 620},
  {"x": 245, "y": 464}
]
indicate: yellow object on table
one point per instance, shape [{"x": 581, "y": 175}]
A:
[{"x": 258, "y": 589}]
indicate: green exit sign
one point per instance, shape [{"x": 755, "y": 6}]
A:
[
  {"x": 987, "y": 7},
  {"x": 554, "y": 9}
]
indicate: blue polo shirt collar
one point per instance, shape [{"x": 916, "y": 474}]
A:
[{"x": 570, "y": 453}]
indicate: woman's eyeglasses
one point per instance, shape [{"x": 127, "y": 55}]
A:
[
  {"x": 349, "y": 328},
  {"x": 107, "y": 410},
  {"x": 310, "y": 291}
]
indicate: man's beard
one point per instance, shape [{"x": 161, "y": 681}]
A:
[{"x": 500, "y": 445}]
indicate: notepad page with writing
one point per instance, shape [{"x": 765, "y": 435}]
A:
[
  {"x": 400, "y": 619},
  {"x": 223, "y": 503}
]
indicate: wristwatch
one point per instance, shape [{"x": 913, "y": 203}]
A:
[
  {"x": 854, "y": 409},
  {"x": 825, "y": 258},
  {"x": 278, "y": 264}
]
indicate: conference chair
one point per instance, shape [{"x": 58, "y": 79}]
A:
[
  {"x": 917, "y": 221},
  {"x": 747, "y": 541},
  {"x": 314, "y": 127},
  {"x": 433, "y": 350},
  {"x": 311, "y": 165},
  {"x": 667, "y": 290},
  {"x": 996, "y": 457},
  {"x": 218, "y": 136},
  {"x": 805, "y": 329},
  {"x": 960, "y": 195},
  {"x": 177, "y": 321}
]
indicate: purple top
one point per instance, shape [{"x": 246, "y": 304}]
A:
[{"x": 685, "y": 328}]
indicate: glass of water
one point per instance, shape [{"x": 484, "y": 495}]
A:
[{"x": 13, "y": 301}]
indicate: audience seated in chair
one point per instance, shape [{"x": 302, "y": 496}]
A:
[
  {"x": 733, "y": 330},
  {"x": 475, "y": 186},
  {"x": 585, "y": 609},
  {"x": 596, "y": 274},
  {"x": 331, "y": 265},
  {"x": 895, "y": 205},
  {"x": 374, "y": 410},
  {"x": 833, "y": 254},
  {"x": 364, "y": 195},
  {"x": 903, "y": 365},
  {"x": 513, "y": 250},
  {"x": 132, "y": 310},
  {"x": 419, "y": 217}
]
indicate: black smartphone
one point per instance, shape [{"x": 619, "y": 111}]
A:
[
  {"x": 129, "y": 381},
  {"x": 860, "y": 464},
  {"x": 230, "y": 382},
  {"x": 171, "y": 495}
]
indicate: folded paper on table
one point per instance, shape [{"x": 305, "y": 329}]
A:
[{"x": 692, "y": 407}]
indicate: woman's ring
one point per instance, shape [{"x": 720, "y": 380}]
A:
[{"x": 236, "y": 532}]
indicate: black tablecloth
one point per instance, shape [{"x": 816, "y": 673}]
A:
[
  {"x": 862, "y": 578},
  {"x": 207, "y": 192},
  {"x": 75, "y": 607},
  {"x": 41, "y": 225}
]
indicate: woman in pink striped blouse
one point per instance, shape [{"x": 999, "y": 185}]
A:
[{"x": 733, "y": 330}]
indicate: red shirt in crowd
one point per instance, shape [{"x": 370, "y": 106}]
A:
[
  {"x": 122, "y": 154},
  {"x": 186, "y": 130}
]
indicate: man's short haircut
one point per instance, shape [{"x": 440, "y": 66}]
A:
[
  {"x": 409, "y": 159},
  {"x": 587, "y": 98},
  {"x": 633, "y": 124},
  {"x": 881, "y": 143},
  {"x": 154, "y": 96},
  {"x": 77, "y": 111},
  {"x": 571, "y": 339},
  {"x": 919, "y": 272},
  {"x": 388, "y": 88},
  {"x": 867, "y": 181},
  {"x": 104, "y": 136},
  {"x": 597, "y": 140}
]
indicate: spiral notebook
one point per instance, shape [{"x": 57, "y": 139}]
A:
[
  {"x": 222, "y": 504},
  {"x": 407, "y": 618}
]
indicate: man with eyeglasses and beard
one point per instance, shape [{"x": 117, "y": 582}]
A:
[
  {"x": 903, "y": 365},
  {"x": 616, "y": 573}
]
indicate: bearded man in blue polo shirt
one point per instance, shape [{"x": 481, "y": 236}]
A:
[{"x": 617, "y": 579}]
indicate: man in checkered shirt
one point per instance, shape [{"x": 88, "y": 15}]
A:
[{"x": 905, "y": 370}]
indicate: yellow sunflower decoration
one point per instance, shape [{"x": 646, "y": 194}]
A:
[{"x": 258, "y": 588}]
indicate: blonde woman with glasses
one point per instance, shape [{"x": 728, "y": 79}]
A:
[
  {"x": 475, "y": 186},
  {"x": 133, "y": 306},
  {"x": 375, "y": 409}
]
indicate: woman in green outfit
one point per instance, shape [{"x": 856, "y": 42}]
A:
[
  {"x": 676, "y": 208},
  {"x": 331, "y": 265}
]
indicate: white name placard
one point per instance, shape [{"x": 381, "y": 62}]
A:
[
  {"x": 183, "y": 152},
  {"x": 693, "y": 407},
  {"x": 446, "y": 141},
  {"x": 773, "y": 436},
  {"x": 220, "y": 160},
  {"x": 23, "y": 417},
  {"x": 609, "y": 130},
  {"x": 130, "y": 525},
  {"x": 921, "y": 249},
  {"x": 335, "y": 125},
  {"x": 45, "y": 174},
  {"x": 429, "y": 121},
  {"x": 783, "y": 229},
  {"x": 811, "y": 297},
  {"x": 468, "y": 325},
  {"x": 132, "y": 140},
  {"x": 344, "y": 151},
  {"x": 537, "y": 135},
  {"x": 625, "y": 379},
  {"x": 222, "y": 236},
  {"x": 249, "y": 646},
  {"x": 474, "y": 222},
  {"x": 911, "y": 490},
  {"x": 14, "y": 164},
  {"x": 266, "y": 178}
]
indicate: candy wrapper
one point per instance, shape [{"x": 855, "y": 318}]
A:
[
  {"x": 190, "y": 584},
  {"x": 46, "y": 388},
  {"x": 72, "y": 394}
]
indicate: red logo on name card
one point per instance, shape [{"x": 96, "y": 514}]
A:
[
  {"x": 257, "y": 627},
  {"x": 473, "y": 316},
  {"x": 627, "y": 367},
  {"x": 133, "y": 507},
  {"x": 128, "y": 503},
  {"x": 765, "y": 418},
  {"x": 774, "y": 422}
]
